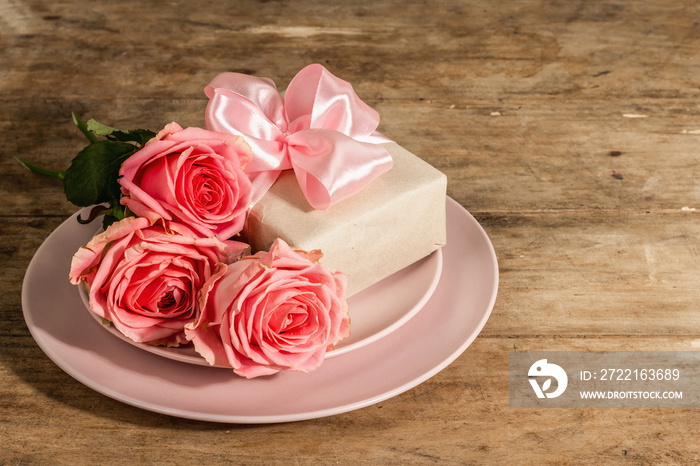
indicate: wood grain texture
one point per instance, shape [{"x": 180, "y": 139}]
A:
[{"x": 569, "y": 129}]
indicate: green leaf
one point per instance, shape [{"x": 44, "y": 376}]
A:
[
  {"x": 42, "y": 171},
  {"x": 98, "y": 128},
  {"x": 139, "y": 136},
  {"x": 83, "y": 128},
  {"x": 107, "y": 220},
  {"x": 118, "y": 211},
  {"x": 115, "y": 214},
  {"x": 92, "y": 177}
]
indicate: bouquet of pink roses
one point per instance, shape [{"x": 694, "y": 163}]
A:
[{"x": 171, "y": 266}]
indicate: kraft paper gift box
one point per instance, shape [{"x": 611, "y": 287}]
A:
[{"x": 396, "y": 220}]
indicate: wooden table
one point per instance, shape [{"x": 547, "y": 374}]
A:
[{"x": 570, "y": 130}]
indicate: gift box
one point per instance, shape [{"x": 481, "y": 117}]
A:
[{"x": 396, "y": 220}]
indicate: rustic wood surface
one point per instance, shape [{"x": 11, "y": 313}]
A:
[{"x": 571, "y": 130}]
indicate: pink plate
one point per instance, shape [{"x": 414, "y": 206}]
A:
[
  {"x": 399, "y": 361},
  {"x": 403, "y": 294}
]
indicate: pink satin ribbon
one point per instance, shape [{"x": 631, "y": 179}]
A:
[{"x": 320, "y": 129}]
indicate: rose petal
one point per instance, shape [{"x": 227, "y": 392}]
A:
[{"x": 275, "y": 310}]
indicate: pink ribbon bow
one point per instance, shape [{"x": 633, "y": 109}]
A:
[{"x": 320, "y": 129}]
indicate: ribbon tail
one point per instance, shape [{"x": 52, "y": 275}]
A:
[
  {"x": 261, "y": 183},
  {"x": 331, "y": 166}
]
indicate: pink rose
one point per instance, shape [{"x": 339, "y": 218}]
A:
[
  {"x": 276, "y": 310},
  {"x": 193, "y": 176},
  {"x": 145, "y": 278}
]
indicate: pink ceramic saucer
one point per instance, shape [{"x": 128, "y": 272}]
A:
[
  {"x": 374, "y": 312},
  {"x": 409, "y": 355}
]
